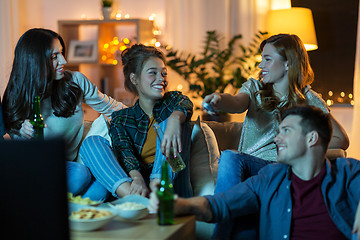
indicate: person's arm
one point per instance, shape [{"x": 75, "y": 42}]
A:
[
  {"x": 172, "y": 134},
  {"x": 97, "y": 100},
  {"x": 177, "y": 108},
  {"x": 339, "y": 139},
  {"x": 228, "y": 103},
  {"x": 356, "y": 227},
  {"x": 198, "y": 206}
]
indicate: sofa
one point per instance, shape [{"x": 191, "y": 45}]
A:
[{"x": 209, "y": 138}]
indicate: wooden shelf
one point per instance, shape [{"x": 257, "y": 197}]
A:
[{"x": 103, "y": 31}]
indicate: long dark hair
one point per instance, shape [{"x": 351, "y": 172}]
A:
[
  {"x": 300, "y": 74},
  {"x": 33, "y": 74}
]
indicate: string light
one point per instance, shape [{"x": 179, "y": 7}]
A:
[
  {"x": 110, "y": 50},
  {"x": 339, "y": 98}
]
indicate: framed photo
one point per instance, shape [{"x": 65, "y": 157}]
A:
[{"x": 82, "y": 52}]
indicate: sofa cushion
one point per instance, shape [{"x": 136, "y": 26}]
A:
[
  {"x": 203, "y": 160},
  {"x": 227, "y": 134}
]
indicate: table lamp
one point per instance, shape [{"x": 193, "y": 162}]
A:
[{"x": 294, "y": 20}]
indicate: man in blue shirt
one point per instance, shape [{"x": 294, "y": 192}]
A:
[{"x": 305, "y": 196}]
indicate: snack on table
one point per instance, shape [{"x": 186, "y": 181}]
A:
[
  {"x": 130, "y": 206},
  {"x": 88, "y": 213},
  {"x": 80, "y": 200}
]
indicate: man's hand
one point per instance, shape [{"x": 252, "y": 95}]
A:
[{"x": 153, "y": 203}]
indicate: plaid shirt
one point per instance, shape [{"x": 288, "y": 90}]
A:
[{"x": 129, "y": 128}]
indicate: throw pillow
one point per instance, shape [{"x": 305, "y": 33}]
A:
[{"x": 203, "y": 159}]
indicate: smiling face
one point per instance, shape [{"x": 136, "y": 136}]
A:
[
  {"x": 274, "y": 69},
  {"x": 290, "y": 141},
  {"x": 152, "y": 82},
  {"x": 58, "y": 59}
]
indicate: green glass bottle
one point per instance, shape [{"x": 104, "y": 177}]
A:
[
  {"x": 166, "y": 197},
  {"x": 37, "y": 120}
]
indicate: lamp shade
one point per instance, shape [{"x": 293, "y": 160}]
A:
[{"x": 297, "y": 21}]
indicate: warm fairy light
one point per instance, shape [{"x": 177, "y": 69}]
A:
[
  {"x": 156, "y": 32},
  {"x": 352, "y": 102},
  {"x": 83, "y": 16},
  {"x": 339, "y": 98},
  {"x": 111, "y": 50},
  {"x": 152, "y": 17},
  {"x": 115, "y": 41},
  {"x": 179, "y": 87},
  {"x": 153, "y": 41},
  {"x": 118, "y": 15},
  {"x": 157, "y": 44},
  {"x": 127, "y": 16},
  {"x": 258, "y": 58}
]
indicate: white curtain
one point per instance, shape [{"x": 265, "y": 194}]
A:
[
  {"x": 354, "y": 150},
  {"x": 188, "y": 20},
  {"x": 9, "y": 29}
]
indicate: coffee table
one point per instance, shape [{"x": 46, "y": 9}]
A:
[{"x": 147, "y": 228}]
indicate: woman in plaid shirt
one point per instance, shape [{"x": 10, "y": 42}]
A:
[{"x": 137, "y": 165}]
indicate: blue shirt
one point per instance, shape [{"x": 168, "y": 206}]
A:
[{"x": 269, "y": 193}]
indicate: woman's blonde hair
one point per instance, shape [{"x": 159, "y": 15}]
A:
[{"x": 300, "y": 74}]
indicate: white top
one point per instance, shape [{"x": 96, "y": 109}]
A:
[
  {"x": 260, "y": 126},
  {"x": 71, "y": 128}
]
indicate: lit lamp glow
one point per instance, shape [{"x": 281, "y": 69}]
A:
[{"x": 295, "y": 20}]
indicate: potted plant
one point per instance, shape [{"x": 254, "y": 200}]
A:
[
  {"x": 107, "y": 9},
  {"x": 219, "y": 65}
]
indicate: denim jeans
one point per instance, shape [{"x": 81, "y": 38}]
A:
[
  {"x": 236, "y": 167},
  {"x": 81, "y": 182}
]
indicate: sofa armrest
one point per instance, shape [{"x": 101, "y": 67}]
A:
[{"x": 335, "y": 153}]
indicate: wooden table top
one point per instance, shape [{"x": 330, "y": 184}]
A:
[{"x": 147, "y": 228}]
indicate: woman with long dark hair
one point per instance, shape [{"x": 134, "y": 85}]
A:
[{"x": 38, "y": 70}]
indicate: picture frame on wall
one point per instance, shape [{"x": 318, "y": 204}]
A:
[{"x": 82, "y": 52}]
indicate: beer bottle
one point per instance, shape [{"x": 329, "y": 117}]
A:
[
  {"x": 37, "y": 120},
  {"x": 176, "y": 163},
  {"x": 165, "y": 194}
]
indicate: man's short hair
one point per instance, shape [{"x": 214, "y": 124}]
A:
[{"x": 313, "y": 119}]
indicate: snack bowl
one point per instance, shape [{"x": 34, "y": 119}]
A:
[
  {"x": 89, "y": 224},
  {"x": 131, "y": 207}
]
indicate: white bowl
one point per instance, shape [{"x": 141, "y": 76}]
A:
[
  {"x": 89, "y": 224},
  {"x": 131, "y": 215}
]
